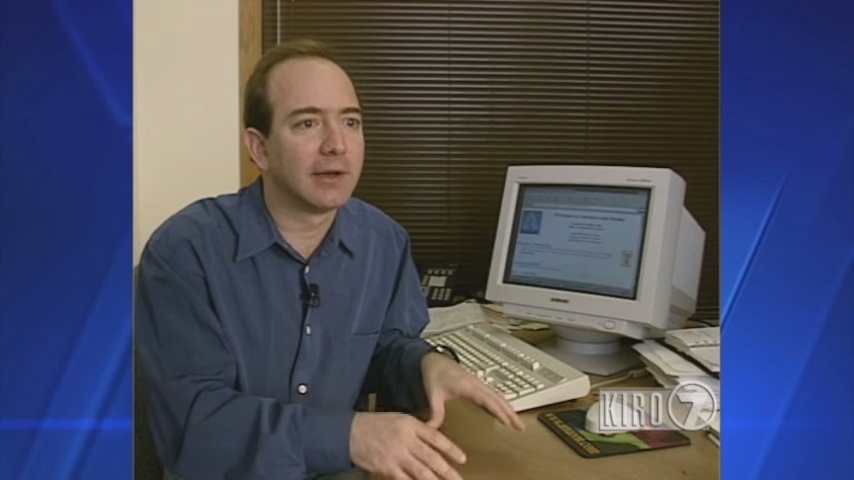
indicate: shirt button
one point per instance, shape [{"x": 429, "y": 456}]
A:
[
  {"x": 308, "y": 329},
  {"x": 302, "y": 389}
]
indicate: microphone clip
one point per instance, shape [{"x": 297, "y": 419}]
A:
[{"x": 311, "y": 297}]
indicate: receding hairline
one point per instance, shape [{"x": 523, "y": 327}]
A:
[
  {"x": 261, "y": 86},
  {"x": 276, "y": 73}
]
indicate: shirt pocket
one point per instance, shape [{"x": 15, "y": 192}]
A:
[
  {"x": 345, "y": 327},
  {"x": 345, "y": 364},
  {"x": 360, "y": 348}
]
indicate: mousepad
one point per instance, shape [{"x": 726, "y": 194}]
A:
[{"x": 568, "y": 425}]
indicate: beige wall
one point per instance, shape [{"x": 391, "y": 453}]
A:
[{"x": 186, "y": 107}]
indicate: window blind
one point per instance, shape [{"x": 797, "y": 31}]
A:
[{"x": 456, "y": 91}]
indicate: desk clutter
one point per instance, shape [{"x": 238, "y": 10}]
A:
[
  {"x": 690, "y": 355},
  {"x": 448, "y": 318},
  {"x": 701, "y": 344},
  {"x": 671, "y": 368}
]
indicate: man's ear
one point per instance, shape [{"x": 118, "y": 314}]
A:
[{"x": 256, "y": 144}]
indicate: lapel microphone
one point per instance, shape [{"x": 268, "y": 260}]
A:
[{"x": 312, "y": 296}]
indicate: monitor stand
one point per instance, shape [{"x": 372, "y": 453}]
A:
[{"x": 591, "y": 352}]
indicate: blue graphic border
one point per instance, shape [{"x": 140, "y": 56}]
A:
[{"x": 787, "y": 246}]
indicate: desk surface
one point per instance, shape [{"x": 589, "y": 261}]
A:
[{"x": 497, "y": 452}]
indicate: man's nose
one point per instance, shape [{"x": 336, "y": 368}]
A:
[{"x": 333, "y": 141}]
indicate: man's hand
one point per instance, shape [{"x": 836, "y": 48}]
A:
[
  {"x": 402, "y": 447},
  {"x": 446, "y": 380}
]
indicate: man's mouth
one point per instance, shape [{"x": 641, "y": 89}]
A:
[{"x": 330, "y": 174}]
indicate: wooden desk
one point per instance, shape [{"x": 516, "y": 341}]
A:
[{"x": 498, "y": 452}]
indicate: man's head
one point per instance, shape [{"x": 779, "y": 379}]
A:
[{"x": 303, "y": 126}]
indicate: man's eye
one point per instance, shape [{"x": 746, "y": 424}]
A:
[
  {"x": 308, "y": 123},
  {"x": 353, "y": 122}
]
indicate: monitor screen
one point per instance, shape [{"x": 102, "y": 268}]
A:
[{"x": 578, "y": 238}]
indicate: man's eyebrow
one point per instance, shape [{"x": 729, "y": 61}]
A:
[{"x": 318, "y": 111}]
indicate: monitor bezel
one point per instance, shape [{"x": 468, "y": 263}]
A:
[{"x": 655, "y": 277}]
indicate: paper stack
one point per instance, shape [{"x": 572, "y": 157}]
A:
[
  {"x": 446, "y": 319},
  {"x": 696, "y": 359},
  {"x": 671, "y": 369},
  {"x": 701, "y": 344}
]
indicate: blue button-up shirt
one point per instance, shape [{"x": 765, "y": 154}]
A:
[{"x": 244, "y": 378}]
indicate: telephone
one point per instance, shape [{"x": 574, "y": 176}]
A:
[{"x": 437, "y": 285}]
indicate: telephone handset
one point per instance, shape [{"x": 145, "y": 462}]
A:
[{"x": 437, "y": 285}]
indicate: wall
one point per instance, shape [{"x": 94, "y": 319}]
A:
[{"x": 186, "y": 107}]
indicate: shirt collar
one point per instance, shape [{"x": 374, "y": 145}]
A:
[
  {"x": 257, "y": 231},
  {"x": 345, "y": 229}
]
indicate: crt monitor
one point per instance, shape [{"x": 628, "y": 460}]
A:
[{"x": 600, "y": 253}]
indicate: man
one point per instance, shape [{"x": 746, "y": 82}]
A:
[{"x": 263, "y": 317}]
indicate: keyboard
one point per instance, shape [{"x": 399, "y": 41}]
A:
[{"x": 526, "y": 376}]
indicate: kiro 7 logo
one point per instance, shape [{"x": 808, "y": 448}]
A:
[{"x": 688, "y": 406}]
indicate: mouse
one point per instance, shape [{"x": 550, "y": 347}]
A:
[{"x": 621, "y": 415}]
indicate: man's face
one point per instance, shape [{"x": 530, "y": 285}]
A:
[{"x": 315, "y": 149}]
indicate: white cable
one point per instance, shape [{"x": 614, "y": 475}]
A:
[{"x": 640, "y": 372}]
